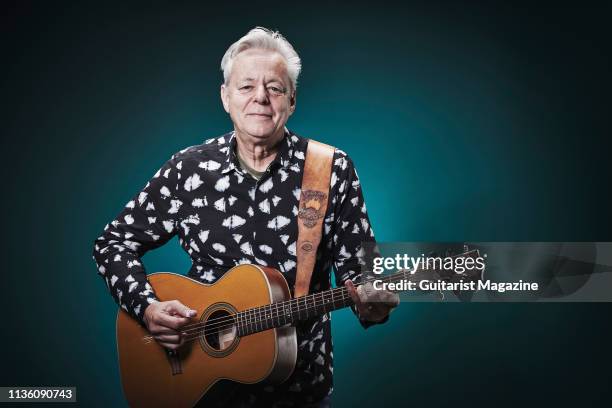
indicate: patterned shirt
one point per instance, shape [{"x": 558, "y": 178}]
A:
[{"x": 224, "y": 217}]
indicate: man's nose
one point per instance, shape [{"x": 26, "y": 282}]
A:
[{"x": 261, "y": 94}]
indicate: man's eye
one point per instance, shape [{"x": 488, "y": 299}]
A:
[
  {"x": 276, "y": 90},
  {"x": 245, "y": 88}
]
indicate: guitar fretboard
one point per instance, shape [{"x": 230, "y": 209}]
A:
[{"x": 305, "y": 307}]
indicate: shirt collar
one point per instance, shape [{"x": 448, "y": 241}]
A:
[{"x": 227, "y": 145}]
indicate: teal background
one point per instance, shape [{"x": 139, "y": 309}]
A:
[{"x": 473, "y": 122}]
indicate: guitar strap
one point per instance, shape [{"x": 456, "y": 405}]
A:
[{"x": 313, "y": 205}]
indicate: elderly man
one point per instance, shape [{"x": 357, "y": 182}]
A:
[{"x": 234, "y": 199}]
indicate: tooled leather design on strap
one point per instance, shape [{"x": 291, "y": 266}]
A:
[{"x": 314, "y": 199}]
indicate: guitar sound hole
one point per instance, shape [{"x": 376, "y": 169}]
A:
[{"x": 220, "y": 330}]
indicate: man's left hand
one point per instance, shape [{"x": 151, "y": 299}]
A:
[{"x": 372, "y": 305}]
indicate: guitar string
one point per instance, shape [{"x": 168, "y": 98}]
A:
[
  {"x": 262, "y": 314},
  {"x": 258, "y": 323},
  {"x": 258, "y": 314},
  {"x": 250, "y": 317},
  {"x": 271, "y": 315},
  {"x": 276, "y": 310},
  {"x": 253, "y": 320},
  {"x": 277, "y": 314},
  {"x": 259, "y": 309},
  {"x": 199, "y": 334}
]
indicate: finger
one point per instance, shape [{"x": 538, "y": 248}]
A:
[
  {"x": 364, "y": 305},
  {"x": 369, "y": 289},
  {"x": 168, "y": 338},
  {"x": 176, "y": 307},
  {"x": 384, "y": 296},
  {"x": 170, "y": 346},
  {"x": 172, "y": 322},
  {"x": 160, "y": 330},
  {"x": 350, "y": 286},
  {"x": 364, "y": 296}
]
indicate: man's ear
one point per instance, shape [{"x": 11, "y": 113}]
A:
[
  {"x": 224, "y": 98},
  {"x": 292, "y": 101}
]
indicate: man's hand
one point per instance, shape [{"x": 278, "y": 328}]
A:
[
  {"x": 372, "y": 305},
  {"x": 163, "y": 319}
]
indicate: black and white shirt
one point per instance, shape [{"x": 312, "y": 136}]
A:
[{"x": 224, "y": 217}]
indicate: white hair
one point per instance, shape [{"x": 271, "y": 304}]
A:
[{"x": 263, "y": 38}]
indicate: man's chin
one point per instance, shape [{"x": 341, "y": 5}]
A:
[{"x": 262, "y": 134}]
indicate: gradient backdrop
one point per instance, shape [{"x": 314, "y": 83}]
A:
[{"x": 466, "y": 122}]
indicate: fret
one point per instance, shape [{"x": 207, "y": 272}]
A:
[
  {"x": 256, "y": 319},
  {"x": 277, "y": 315},
  {"x": 243, "y": 323},
  {"x": 295, "y": 311},
  {"x": 295, "y": 314},
  {"x": 262, "y": 317},
  {"x": 312, "y": 308},
  {"x": 314, "y": 304},
  {"x": 253, "y": 320},
  {"x": 264, "y": 320},
  {"x": 345, "y": 297},
  {"x": 323, "y": 303},
  {"x": 322, "y": 306},
  {"x": 248, "y": 321},
  {"x": 299, "y": 307},
  {"x": 287, "y": 305}
]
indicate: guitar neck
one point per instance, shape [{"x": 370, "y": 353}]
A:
[{"x": 305, "y": 307}]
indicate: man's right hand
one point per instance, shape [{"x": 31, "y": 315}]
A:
[{"x": 164, "y": 319}]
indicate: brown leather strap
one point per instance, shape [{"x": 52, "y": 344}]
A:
[{"x": 313, "y": 205}]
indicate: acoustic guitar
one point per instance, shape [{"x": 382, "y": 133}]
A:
[{"x": 245, "y": 333}]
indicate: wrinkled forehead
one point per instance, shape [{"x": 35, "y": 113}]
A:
[{"x": 257, "y": 63}]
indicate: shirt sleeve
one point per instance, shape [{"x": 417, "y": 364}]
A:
[
  {"x": 352, "y": 228},
  {"x": 146, "y": 222}
]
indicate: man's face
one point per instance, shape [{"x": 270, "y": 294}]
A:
[{"x": 258, "y": 95}]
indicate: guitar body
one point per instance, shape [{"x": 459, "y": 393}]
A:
[{"x": 153, "y": 377}]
